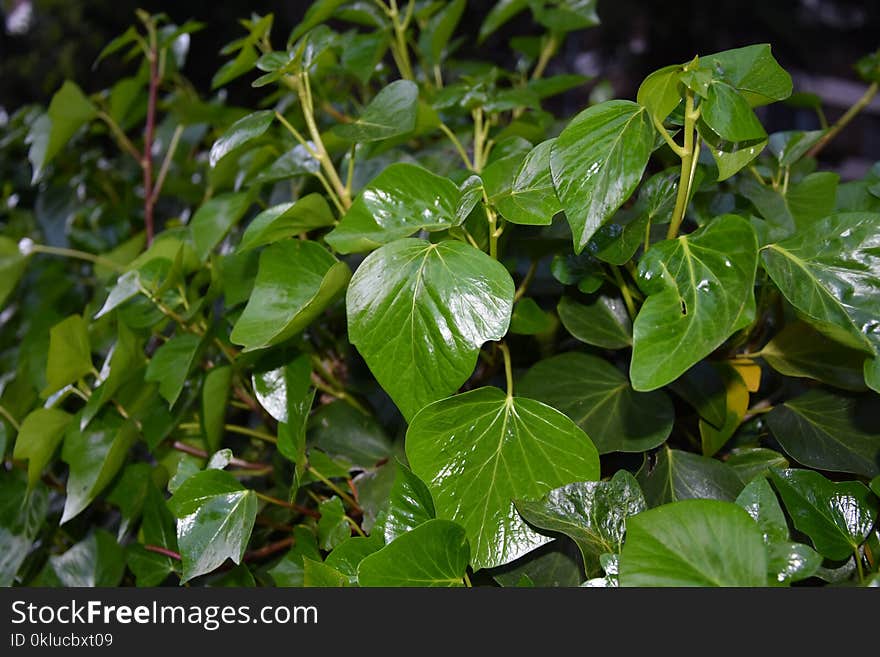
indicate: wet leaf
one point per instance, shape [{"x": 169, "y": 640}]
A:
[
  {"x": 214, "y": 218},
  {"x": 23, "y": 509},
  {"x": 521, "y": 189},
  {"x": 678, "y": 475},
  {"x": 70, "y": 356},
  {"x": 171, "y": 364},
  {"x": 603, "y": 323},
  {"x": 391, "y": 113},
  {"x": 241, "y": 132}
]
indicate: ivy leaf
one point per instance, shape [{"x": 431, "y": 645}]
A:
[
  {"x": 828, "y": 431},
  {"x": 678, "y": 475},
  {"x": 702, "y": 386},
  {"x": 286, "y": 220},
  {"x": 693, "y": 543},
  {"x": 214, "y": 218},
  {"x": 557, "y": 564},
  {"x": 592, "y": 513},
  {"x": 729, "y": 116},
  {"x": 68, "y": 111},
  {"x": 409, "y": 505},
  {"x": 836, "y": 516},
  {"x": 736, "y": 396},
  {"x": 97, "y": 560},
  {"x": 529, "y": 319},
  {"x": 290, "y": 570},
  {"x": 345, "y": 432},
  {"x": 502, "y": 12},
  {"x": 599, "y": 399},
  {"x": 70, "y": 356},
  {"x": 435, "y": 36},
  {"x": 400, "y": 201},
  {"x": 753, "y": 71},
  {"x": 799, "y": 350},
  {"x": 129, "y": 492},
  {"x": 828, "y": 272},
  {"x": 699, "y": 291},
  {"x": 12, "y": 265},
  {"x": 319, "y": 574},
  {"x": 419, "y": 313},
  {"x": 521, "y": 189},
  {"x": 752, "y": 462},
  {"x": 38, "y": 438},
  {"x": 433, "y": 554},
  {"x": 280, "y": 390},
  {"x": 295, "y": 282},
  {"x": 333, "y": 528},
  {"x": 391, "y": 113},
  {"x": 802, "y": 204},
  {"x": 158, "y": 529},
  {"x": 597, "y": 162},
  {"x": 172, "y": 363},
  {"x": 215, "y": 394},
  {"x": 23, "y": 509},
  {"x": 480, "y": 450},
  {"x": 94, "y": 455},
  {"x": 241, "y": 132},
  {"x": 347, "y": 556},
  {"x": 215, "y": 516},
  {"x": 602, "y": 323},
  {"x": 659, "y": 92}
]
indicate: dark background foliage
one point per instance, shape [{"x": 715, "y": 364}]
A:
[{"x": 816, "y": 40}]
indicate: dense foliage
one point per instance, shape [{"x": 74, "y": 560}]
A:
[{"x": 403, "y": 326}]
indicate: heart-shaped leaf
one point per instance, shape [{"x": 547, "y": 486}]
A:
[
  {"x": 435, "y": 553},
  {"x": 69, "y": 354},
  {"x": 391, "y": 113},
  {"x": 602, "y": 323},
  {"x": 693, "y": 543},
  {"x": 700, "y": 290},
  {"x": 38, "y": 437},
  {"x": 753, "y": 71},
  {"x": 678, "y": 475},
  {"x": 287, "y": 220},
  {"x": 521, "y": 189},
  {"x": 599, "y": 399},
  {"x": 480, "y": 450},
  {"x": 597, "y": 161},
  {"x": 419, "y": 312},
  {"x": 295, "y": 282}
]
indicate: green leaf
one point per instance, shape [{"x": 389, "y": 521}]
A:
[
  {"x": 602, "y": 323},
  {"x": 70, "y": 356},
  {"x": 591, "y": 513},
  {"x": 480, "y": 450},
  {"x": 158, "y": 529},
  {"x": 836, "y": 516},
  {"x": 699, "y": 291},
  {"x": 521, "y": 189},
  {"x": 790, "y": 146},
  {"x": 678, "y": 475},
  {"x": 319, "y": 574},
  {"x": 97, "y": 560},
  {"x": 419, "y": 313},
  {"x": 215, "y": 394},
  {"x": 339, "y": 429},
  {"x": 736, "y": 396},
  {"x": 363, "y": 52},
  {"x": 557, "y": 564},
  {"x": 391, "y": 113},
  {"x": 68, "y": 111},
  {"x": 215, "y": 516},
  {"x": 280, "y": 391},
  {"x": 39, "y": 436},
  {"x": 127, "y": 286},
  {"x": 296, "y": 281},
  {"x": 287, "y": 220},
  {"x": 214, "y": 218},
  {"x": 436, "y": 35},
  {"x": 290, "y": 571},
  {"x": 409, "y": 505},
  {"x": 828, "y": 431},
  {"x": 502, "y": 12},
  {"x": 347, "y": 556},
  {"x": 129, "y": 492},
  {"x": 659, "y": 92},
  {"x": 829, "y": 273},
  {"x": 298, "y": 161},
  {"x": 597, "y": 162},
  {"x": 23, "y": 510},
  {"x": 333, "y": 528},
  {"x": 529, "y": 319},
  {"x": 563, "y": 16},
  {"x": 752, "y": 462},
  {"x": 400, "y": 201},
  {"x": 172, "y": 363},
  {"x": 702, "y": 386},
  {"x": 242, "y": 63},
  {"x": 730, "y": 157},
  {"x": 318, "y": 12},
  {"x": 753, "y": 71},
  {"x": 435, "y": 553},
  {"x": 693, "y": 543},
  {"x": 12, "y": 265},
  {"x": 94, "y": 455},
  {"x": 729, "y": 115},
  {"x": 802, "y": 204},
  {"x": 599, "y": 399},
  {"x": 241, "y": 132}
]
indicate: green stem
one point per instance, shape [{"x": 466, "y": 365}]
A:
[
  {"x": 458, "y": 146},
  {"x": 355, "y": 526},
  {"x": 399, "y": 47},
  {"x": 121, "y": 138},
  {"x": 625, "y": 291},
  {"x": 844, "y": 120},
  {"x": 5, "y": 413},
  {"x": 688, "y": 160},
  {"x": 79, "y": 255},
  {"x": 551, "y": 45},
  {"x": 232, "y": 428},
  {"x": 494, "y": 232},
  {"x": 166, "y": 163},
  {"x": 526, "y": 281},
  {"x": 678, "y": 150},
  {"x": 858, "y": 557},
  {"x": 467, "y": 581},
  {"x": 508, "y": 369},
  {"x": 348, "y": 499}
]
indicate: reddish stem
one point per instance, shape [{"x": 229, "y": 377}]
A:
[
  {"x": 202, "y": 454},
  {"x": 149, "y": 132},
  {"x": 269, "y": 550},
  {"x": 158, "y": 549}
]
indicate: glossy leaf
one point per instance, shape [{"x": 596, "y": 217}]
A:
[
  {"x": 501, "y": 13},
  {"x": 400, "y": 201},
  {"x": 435, "y": 553},
  {"x": 753, "y": 71},
  {"x": 435, "y": 36},
  {"x": 97, "y": 560},
  {"x": 215, "y": 516},
  {"x": 172, "y": 363},
  {"x": 391, "y": 113},
  {"x": 214, "y": 218},
  {"x": 320, "y": 574},
  {"x": 729, "y": 115},
  {"x": 290, "y": 570},
  {"x": 677, "y": 475},
  {"x": 419, "y": 313},
  {"x": 752, "y": 462},
  {"x": 557, "y": 564},
  {"x": 736, "y": 396},
  {"x": 349, "y": 434},
  {"x": 286, "y": 220},
  {"x": 296, "y": 281},
  {"x": 529, "y": 319},
  {"x": 409, "y": 505},
  {"x": 347, "y": 556},
  {"x": 480, "y": 450},
  {"x": 215, "y": 393},
  {"x": 700, "y": 290},
  {"x": 693, "y": 543},
  {"x": 591, "y": 513},
  {"x": 280, "y": 390},
  {"x": 828, "y": 431},
  {"x": 68, "y": 111},
  {"x": 597, "y": 161},
  {"x": 333, "y": 528},
  {"x": 836, "y": 516},
  {"x": 659, "y": 91},
  {"x": 702, "y": 386},
  {"x": 70, "y": 356},
  {"x": 38, "y": 438},
  {"x": 602, "y": 323},
  {"x": 599, "y": 399},
  {"x": 23, "y": 510},
  {"x": 522, "y": 189},
  {"x": 12, "y": 265},
  {"x": 241, "y": 132}
]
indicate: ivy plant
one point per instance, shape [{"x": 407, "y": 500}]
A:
[{"x": 402, "y": 325}]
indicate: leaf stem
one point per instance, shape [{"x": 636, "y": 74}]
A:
[
  {"x": 467, "y": 581},
  {"x": 232, "y": 428},
  {"x": 399, "y": 49},
  {"x": 625, "y": 291},
  {"x": 355, "y": 526},
  {"x": 348, "y": 499},
  {"x": 158, "y": 549},
  {"x": 6, "y": 414},
  {"x": 844, "y": 120},
  {"x": 688, "y": 159},
  {"x": 678, "y": 150},
  {"x": 202, "y": 454},
  {"x": 458, "y": 146},
  {"x": 508, "y": 368},
  {"x": 166, "y": 163},
  {"x": 858, "y": 557},
  {"x": 79, "y": 255},
  {"x": 150, "y": 128},
  {"x": 121, "y": 138},
  {"x": 549, "y": 48},
  {"x": 526, "y": 281}
]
